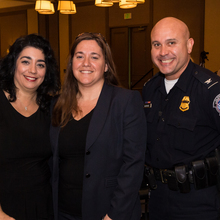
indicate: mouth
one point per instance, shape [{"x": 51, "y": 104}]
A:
[
  {"x": 31, "y": 79},
  {"x": 166, "y": 61},
  {"x": 86, "y": 71}
]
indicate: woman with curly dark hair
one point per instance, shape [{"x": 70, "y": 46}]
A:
[{"x": 29, "y": 77}]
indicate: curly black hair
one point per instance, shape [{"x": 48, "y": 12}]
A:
[{"x": 51, "y": 83}]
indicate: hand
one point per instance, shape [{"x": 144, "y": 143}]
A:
[
  {"x": 4, "y": 216},
  {"x": 107, "y": 217}
]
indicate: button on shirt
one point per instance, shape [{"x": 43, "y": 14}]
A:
[{"x": 183, "y": 125}]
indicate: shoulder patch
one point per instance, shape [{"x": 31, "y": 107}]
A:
[
  {"x": 206, "y": 79},
  {"x": 216, "y": 103}
]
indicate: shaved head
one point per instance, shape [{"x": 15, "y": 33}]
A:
[
  {"x": 171, "y": 23},
  {"x": 171, "y": 46}
]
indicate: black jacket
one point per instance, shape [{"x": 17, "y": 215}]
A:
[{"x": 114, "y": 157}]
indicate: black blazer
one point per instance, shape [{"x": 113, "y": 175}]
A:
[{"x": 114, "y": 157}]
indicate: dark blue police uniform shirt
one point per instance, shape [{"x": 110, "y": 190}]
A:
[{"x": 183, "y": 125}]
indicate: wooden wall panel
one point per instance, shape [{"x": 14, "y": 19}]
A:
[
  {"x": 120, "y": 52},
  {"x": 11, "y": 30},
  {"x": 48, "y": 27}
]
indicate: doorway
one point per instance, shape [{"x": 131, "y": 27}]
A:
[{"x": 131, "y": 53}]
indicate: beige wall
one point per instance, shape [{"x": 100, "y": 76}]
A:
[{"x": 212, "y": 34}]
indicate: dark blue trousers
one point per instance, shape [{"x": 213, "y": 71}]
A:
[{"x": 165, "y": 204}]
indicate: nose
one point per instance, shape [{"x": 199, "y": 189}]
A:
[
  {"x": 86, "y": 61},
  {"x": 32, "y": 68},
  {"x": 163, "y": 50}
]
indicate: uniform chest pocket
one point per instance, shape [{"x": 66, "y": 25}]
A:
[
  {"x": 182, "y": 133},
  {"x": 183, "y": 122}
]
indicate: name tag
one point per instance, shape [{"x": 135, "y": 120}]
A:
[{"x": 147, "y": 104}]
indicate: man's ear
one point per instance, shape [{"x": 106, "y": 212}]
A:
[{"x": 190, "y": 44}]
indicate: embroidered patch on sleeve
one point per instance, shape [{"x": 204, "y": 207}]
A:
[{"x": 216, "y": 103}]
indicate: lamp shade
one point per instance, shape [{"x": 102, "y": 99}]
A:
[
  {"x": 67, "y": 7},
  {"x": 52, "y": 11},
  {"x": 114, "y": 1},
  {"x": 136, "y": 1},
  {"x": 103, "y": 3},
  {"x": 42, "y": 5},
  {"x": 124, "y": 4}
]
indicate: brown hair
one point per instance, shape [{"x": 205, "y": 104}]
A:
[{"x": 67, "y": 101}]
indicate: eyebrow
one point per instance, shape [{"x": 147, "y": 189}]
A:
[
  {"x": 93, "y": 53},
  {"x": 29, "y": 58},
  {"x": 153, "y": 42},
  {"x": 167, "y": 40},
  {"x": 172, "y": 39}
]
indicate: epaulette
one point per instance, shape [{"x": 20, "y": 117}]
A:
[
  {"x": 152, "y": 78},
  {"x": 209, "y": 79}
]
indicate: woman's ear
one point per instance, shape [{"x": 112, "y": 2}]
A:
[{"x": 106, "y": 67}]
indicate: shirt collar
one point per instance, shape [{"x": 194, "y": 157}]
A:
[
  {"x": 185, "y": 77},
  {"x": 183, "y": 81}
]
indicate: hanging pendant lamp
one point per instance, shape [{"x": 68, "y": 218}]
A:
[
  {"x": 52, "y": 11},
  {"x": 103, "y": 3},
  {"x": 113, "y": 1},
  {"x": 66, "y": 7},
  {"x": 124, "y": 4},
  {"x": 44, "y": 7},
  {"x": 136, "y": 1}
]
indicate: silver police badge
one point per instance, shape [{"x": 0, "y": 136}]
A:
[{"x": 216, "y": 103}]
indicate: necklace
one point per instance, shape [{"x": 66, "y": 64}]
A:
[{"x": 25, "y": 107}]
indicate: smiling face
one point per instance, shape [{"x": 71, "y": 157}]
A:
[
  {"x": 88, "y": 64},
  {"x": 30, "y": 69},
  {"x": 171, "y": 47}
]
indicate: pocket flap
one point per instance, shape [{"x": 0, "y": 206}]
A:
[
  {"x": 199, "y": 169},
  {"x": 183, "y": 122}
]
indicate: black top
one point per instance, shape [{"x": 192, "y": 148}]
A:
[
  {"x": 24, "y": 152},
  {"x": 114, "y": 156},
  {"x": 183, "y": 125},
  {"x": 72, "y": 141}
]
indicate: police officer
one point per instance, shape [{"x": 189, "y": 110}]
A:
[{"x": 182, "y": 106}]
